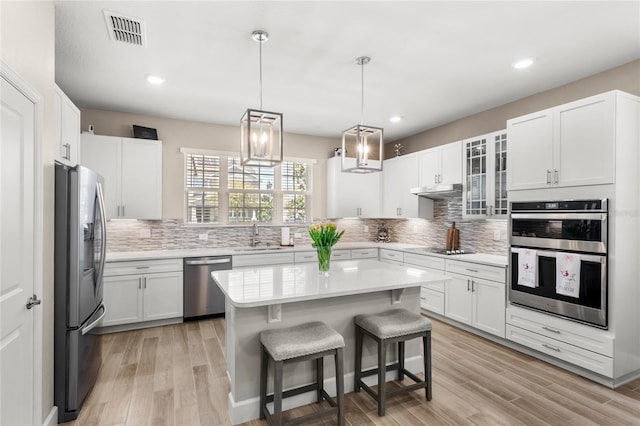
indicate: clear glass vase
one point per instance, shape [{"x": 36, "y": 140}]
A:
[{"x": 324, "y": 259}]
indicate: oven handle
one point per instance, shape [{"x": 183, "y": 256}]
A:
[
  {"x": 546, "y": 253},
  {"x": 561, "y": 216}
]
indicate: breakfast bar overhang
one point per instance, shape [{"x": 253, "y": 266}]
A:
[{"x": 276, "y": 296}]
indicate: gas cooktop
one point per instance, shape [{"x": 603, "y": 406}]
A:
[{"x": 436, "y": 250}]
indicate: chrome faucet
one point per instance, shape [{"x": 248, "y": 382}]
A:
[{"x": 254, "y": 234}]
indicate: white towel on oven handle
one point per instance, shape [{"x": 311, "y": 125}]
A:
[
  {"x": 568, "y": 274},
  {"x": 527, "y": 260}
]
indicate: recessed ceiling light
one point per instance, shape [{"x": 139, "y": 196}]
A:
[
  {"x": 524, "y": 63},
  {"x": 154, "y": 79},
  {"x": 395, "y": 118}
]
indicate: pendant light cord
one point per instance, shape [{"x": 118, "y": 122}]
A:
[
  {"x": 362, "y": 92},
  {"x": 260, "y": 43}
]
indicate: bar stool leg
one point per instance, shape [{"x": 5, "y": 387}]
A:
[
  {"x": 340, "y": 386},
  {"x": 264, "y": 360},
  {"x": 401, "y": 360},
  {"x": 358, "y": 366},
  {"x": 426, "y": 343},
  {"x": 320, "y": 377},
  {"x": 382, "y": 370},
  {"x": 277, "y": 393}
]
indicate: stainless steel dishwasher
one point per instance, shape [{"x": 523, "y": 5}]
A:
[{"x": 202, "y": 296}]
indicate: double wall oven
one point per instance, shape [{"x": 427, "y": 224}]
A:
[{"x": 542, "y": 236}]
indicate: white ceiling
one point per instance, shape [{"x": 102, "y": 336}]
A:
[{"x": 432, "y": 61}]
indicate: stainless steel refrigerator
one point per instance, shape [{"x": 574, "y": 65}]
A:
[{"x": 79, "y": 255}]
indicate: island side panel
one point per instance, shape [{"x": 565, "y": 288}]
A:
[{"x": 245, "y": 324}]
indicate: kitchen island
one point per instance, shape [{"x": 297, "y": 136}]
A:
[{"x": 276, "y": 296}]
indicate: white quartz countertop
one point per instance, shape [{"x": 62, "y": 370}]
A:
[
  {"x": 489, "y": 259},
  {"x": 276, "y": 284}
]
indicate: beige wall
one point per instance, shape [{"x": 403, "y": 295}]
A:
[
  {"x": 180, "y": 133},
  {"x": 28, "y": 47},
  {"x": 625, "y": 78}
]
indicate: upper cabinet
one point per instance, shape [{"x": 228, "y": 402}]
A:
[
  {"x": 352, "y": 194},
  {"x": 568, "y": 145},
  {"x": 132, "y": 173},
  {"x": 399, "y": 176},
  {"x": 67, "y": 129},
  {"x": 442, "y": 164},
  {"x": 484, "y": 170}
]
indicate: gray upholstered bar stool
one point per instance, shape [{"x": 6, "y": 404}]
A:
[
  {"x": 397, "y": 325},
  {"x": 310, "y": 341}
]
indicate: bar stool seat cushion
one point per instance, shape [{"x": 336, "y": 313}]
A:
[
  {"x": 393, "y": 323},
  {"x": 301, "y": 340}
]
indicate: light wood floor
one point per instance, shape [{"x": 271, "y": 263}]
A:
[{"x": 175, "y": 375}]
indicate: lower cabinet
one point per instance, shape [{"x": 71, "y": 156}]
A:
[
  {"x": 476, "y": 301},
  {"x": 140, "y": 291},
  {"x": 391, "y": 256}
]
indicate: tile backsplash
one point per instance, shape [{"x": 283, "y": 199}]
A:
[{"x": 475, "y": 235}]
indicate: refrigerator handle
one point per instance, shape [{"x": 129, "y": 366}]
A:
[
  {"x": 93, "y": 324},
  {"x": 103, "y": 222}
]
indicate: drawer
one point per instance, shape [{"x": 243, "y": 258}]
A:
[
  {"x": 305, "y": 256},
  {"x": 262, "y": 259},
  {"x": 572, "y": 354},
  {"x": 432, "y": 262},
  {"x": 432, "y": 300},
  {"x": 142, "y": 267},
  {"x": 436, "y": 286},
  {"x": 341, "y": 254},
  {"x": 477, "y": 270},
  {"x": 583, "y": 336},
  {"x": 392, "y": 255},
  {"x": 364, "y": 253}
]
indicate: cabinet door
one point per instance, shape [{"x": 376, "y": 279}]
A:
[
  {"x": 141, "y": 179},
  {"x": 162, "y": 296},
  {"x": 451, "y": 163},
  {"x": 429, "y": 166},
  {"x": 400, "y": 175},
  {"x": 584, "y": 142},
  {"x": 530, "y": 151},
  {"x": 498, "y": 167},
  {"x": 122, "y": 297},
  {"x": 489, "y": 306},
  {"x": 476, "y": 154},
  {"x": 352, "y": 194},
  {"x": 67, "y": 129},
  {"x": 102, "y": 154},
  {"x": 458, "y": 299}
]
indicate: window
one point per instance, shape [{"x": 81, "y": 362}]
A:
[{"x": 235, "y": 194}]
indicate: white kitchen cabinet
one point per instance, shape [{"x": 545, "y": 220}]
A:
[
  {"x": 258, "y": 259},
  {"x": 391, "y": 256},
  {"x": 132, "y": 173},
  {"x": 472, "y": 296},
  {"x": 441, "y": 165},
  {"x": 352, "y": 194},
  {"x": 138, "y": 291},
  {"x": 432, "y": 295},
  {"x": 484, "y": 171},
  {"x": 67, "y": 128},
  {"x": 568, "y": 145},
  {"x": 399, "y": 176}
]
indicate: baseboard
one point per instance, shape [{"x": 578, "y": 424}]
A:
[
  {"x": 137, "y": 325},
  {"x": 249, "y": 409},
  {"x": 52, "y": 418}
]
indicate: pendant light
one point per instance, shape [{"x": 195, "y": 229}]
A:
[
  {"x": 260, "y": 131},
  {"x": 365, "y": 140}
]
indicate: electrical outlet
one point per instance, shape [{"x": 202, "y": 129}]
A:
[
  {"x": 145, "y": 233},
  {"x": 204, "y": 236},
  {"x": 297, "y": 235},
  {"x": 496, "y": 235},
  {"x": 366, "y": 229}
]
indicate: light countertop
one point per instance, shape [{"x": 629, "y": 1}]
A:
[
  {"x": 275, "y": 284},
  {"x": 490, "y": 259}
]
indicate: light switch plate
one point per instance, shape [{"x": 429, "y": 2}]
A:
[
  {"x": 204, "y": 236},
  {"x": 145, "y": 233},
  {"x": 297, "y": 235},
  {"x": 496, "y": 235}
]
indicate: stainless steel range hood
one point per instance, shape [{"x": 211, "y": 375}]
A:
[{"x": 437, "y": 192}]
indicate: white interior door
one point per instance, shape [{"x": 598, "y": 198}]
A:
[{"x": 17, "y": 193}]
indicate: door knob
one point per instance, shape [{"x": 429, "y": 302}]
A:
[{"x": 33, "y": 301}]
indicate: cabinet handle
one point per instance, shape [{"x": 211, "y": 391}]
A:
[
  {"x": 472, "y": 283},
  {"x": 145, "y": 282},
  {"x": 139, "y": 282},
  {"x": 142, "y": 267},
  {"x": 548, "y": 177},
  {"x": 467, "y": 285},
  {"x": 122, "y": 211},
  {"x": 472, "y": 270},
  {"x": 553, "y": 348},
  {"x": 553, "y": 330},
  {"x": 68, "y": 146},
  {"x": 555, "y": 176}
]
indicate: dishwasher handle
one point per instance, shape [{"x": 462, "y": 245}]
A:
[{"x": 208, "y": 261}]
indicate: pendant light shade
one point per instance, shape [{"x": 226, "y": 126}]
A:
[
  {"x": 260, "y": 131},
  {"x": 364, "y": 142}
]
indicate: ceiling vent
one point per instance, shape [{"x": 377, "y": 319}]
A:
[{"x": 125, "y": 28}]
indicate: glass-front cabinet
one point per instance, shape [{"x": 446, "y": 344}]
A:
[{"x": 485, "y": 177}]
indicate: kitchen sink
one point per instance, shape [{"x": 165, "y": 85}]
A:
[{"x": 258, "y": 249}]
